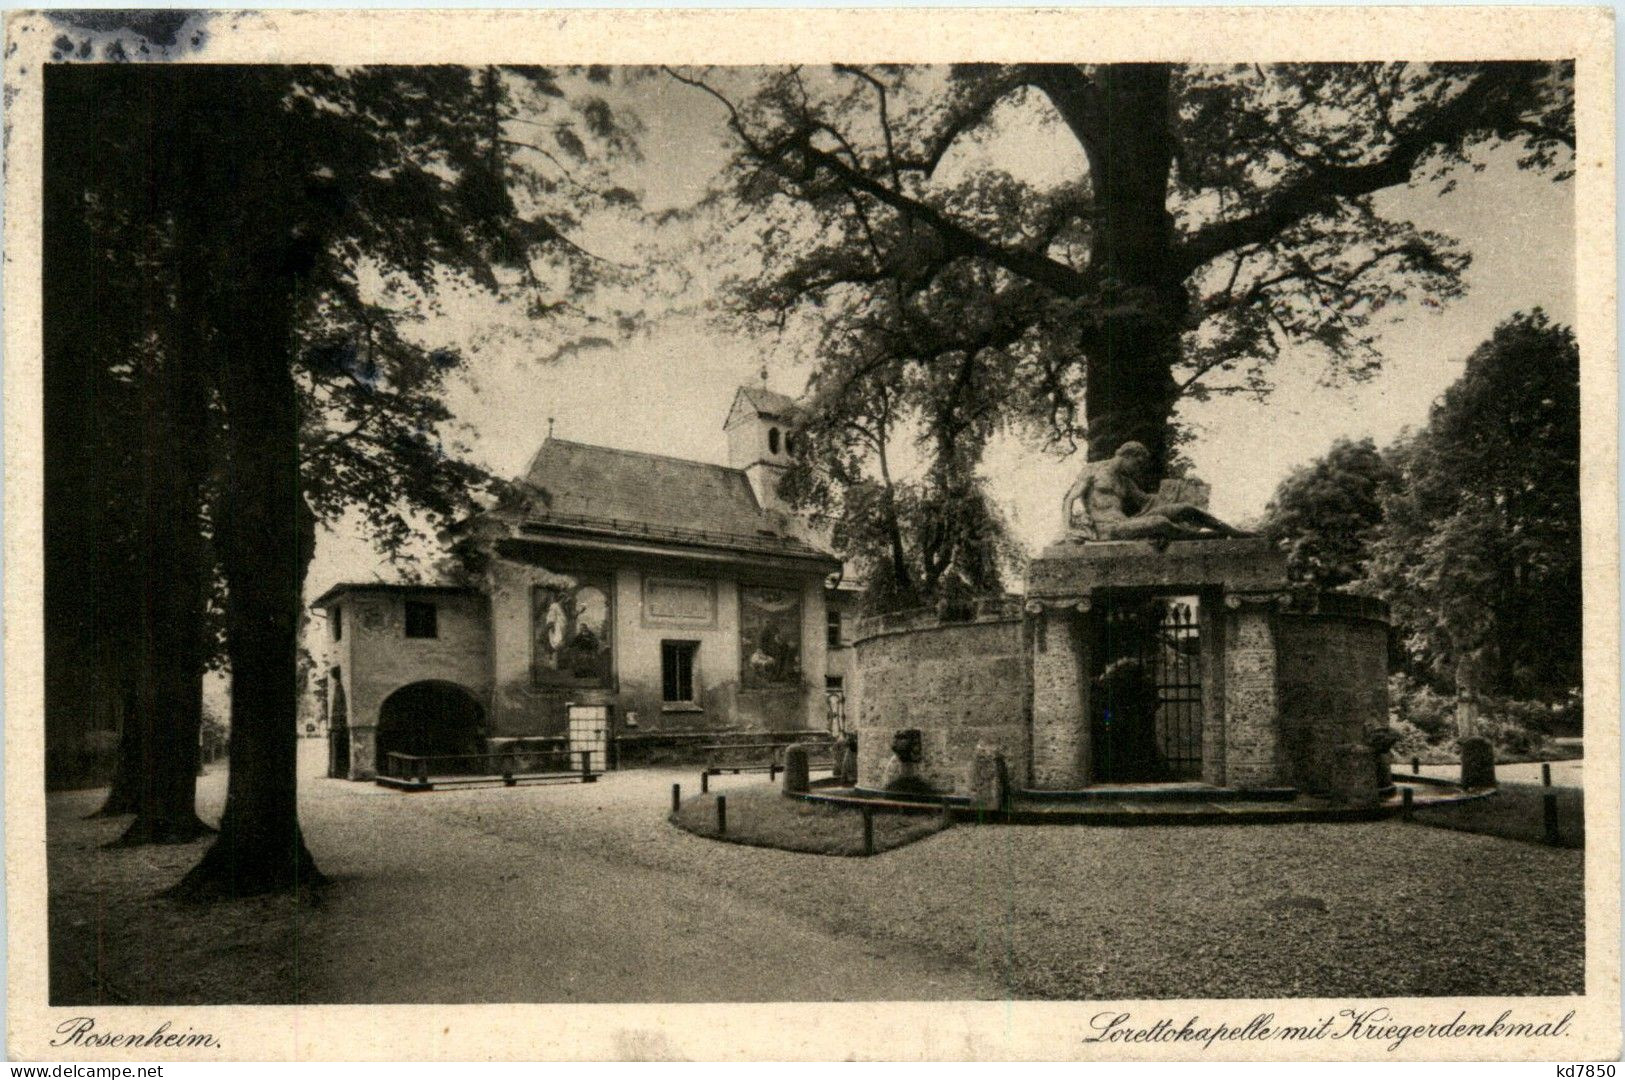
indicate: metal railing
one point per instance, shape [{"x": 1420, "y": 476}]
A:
[
  {"x": 510, "y": 765},
  {"x": 746, "y": 754}
]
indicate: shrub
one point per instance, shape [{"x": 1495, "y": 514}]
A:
[
  {"x": 1512, "y": 740},
  {"x": 1423, "y": 723},
  {"x": 1542, "y": 717},
  {"x": 1411, "y": 741},
  {"x": 1415, "y": 704}
]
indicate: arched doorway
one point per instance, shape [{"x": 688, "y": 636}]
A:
[
  {"x": 430, "y": 719},
  {"x": 338, "y": 731}
]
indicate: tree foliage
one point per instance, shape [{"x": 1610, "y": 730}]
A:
[
  {"x": 1479, "y": 552},
  {"x": 1326, "y": 514},
  {"x": 302, "y": 216},
  {"x": 1098, "y": 241},
  {"x": 933, "y": 538}
]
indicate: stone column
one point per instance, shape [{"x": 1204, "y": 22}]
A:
[
  {"x": 1060, "y": 736},
  {"x": 1212, "y": 668},
  {"x": 1252, "y": 723}
]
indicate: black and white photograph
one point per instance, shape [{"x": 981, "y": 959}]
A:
[{"x": 519, "y": 510}]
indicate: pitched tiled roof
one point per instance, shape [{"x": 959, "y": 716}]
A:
[
  {"x": 406, "y": 588},
  {"x": 767, "y": 402},
  {"x": 649, "y": 496}
]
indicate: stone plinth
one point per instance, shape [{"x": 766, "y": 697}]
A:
[
  {"x": 990, "y": 780},
  {"x": 1355, "y": 783},
  {"x": 1070, "y": 569}
]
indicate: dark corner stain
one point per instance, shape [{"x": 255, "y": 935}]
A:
[{"x": 144, "y": 33}]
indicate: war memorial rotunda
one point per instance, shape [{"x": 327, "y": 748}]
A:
[{"x": 1155, "y": 645}]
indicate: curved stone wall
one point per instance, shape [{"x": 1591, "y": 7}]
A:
[
  {"x": 1332, "y": 684},
  {"x": 960, "y": 682},
  {"x": 1318, "y": 671}
]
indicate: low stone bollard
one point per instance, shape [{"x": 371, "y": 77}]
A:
[
  {"x": 795, "y": 769},
  {"x": 1477, "y": 763},
  {"x": 990, "y": 779}
]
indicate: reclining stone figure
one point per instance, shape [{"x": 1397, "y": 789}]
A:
[{"x": 1106, "y": 502}]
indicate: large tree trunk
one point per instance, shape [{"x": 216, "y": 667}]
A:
[
  {"x": 169, "y": 713},
  {"x": 87, "y": 635},
  {"x": 124, "y": 795},
  {"x": 265, "y": 533},
  {"x": 902, "y": 578},
  {"x": 1134, "y": 343}
]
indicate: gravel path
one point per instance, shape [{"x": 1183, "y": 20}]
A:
[
  {"x": 1564, "y": 773},
  {"x": 585, "y": 893},
  {"x": 549, "y": 894}
]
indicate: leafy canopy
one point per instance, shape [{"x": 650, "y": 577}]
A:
[
  {"x": 1101, "y": 240},
  {"x": 380, "y": 192},
  {"x": 1326, "y": 514},
  {"x": 1479, "y": 552}
]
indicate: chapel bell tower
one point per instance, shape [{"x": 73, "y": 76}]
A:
[{"x": 760, "y": 440}]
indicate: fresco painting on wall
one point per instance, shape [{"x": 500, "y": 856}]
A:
[
  {"x": 572, "y": 621},
  {"x": 769, "y": 637}
]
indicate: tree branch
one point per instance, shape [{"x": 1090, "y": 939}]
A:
[
  {"x": 1076, "y": 98},
  {"x": 957, "y": 238},
  {"x": 975, "y": 111},
  {"x": 1322, "y": 184},
  {"x": 885, "y": 117},
  {"x": 1033, "y": 266}
]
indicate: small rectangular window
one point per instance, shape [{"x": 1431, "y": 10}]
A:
[
  {"x": 833, "y": 623},
  {"x": 338, "y": 623},
  {"x": 677, "y": 671},
  {"x": 834, "y": 682},
  {"x": 422, "y": 620}
]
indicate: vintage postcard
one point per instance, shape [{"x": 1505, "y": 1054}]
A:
[{"x": 811, "y": 535}]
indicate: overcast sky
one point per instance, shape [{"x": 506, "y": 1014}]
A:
[{"x": 668, "y": 391}]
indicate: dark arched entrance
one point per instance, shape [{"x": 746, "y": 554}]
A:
[
  {"x": 338, "y": 731},
  {"x": 430, "y": 719}
]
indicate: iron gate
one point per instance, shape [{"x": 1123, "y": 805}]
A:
[{"x": 1147, "y": 690}]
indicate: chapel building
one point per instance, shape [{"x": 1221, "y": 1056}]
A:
[{"x": 631, "y": 605}]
